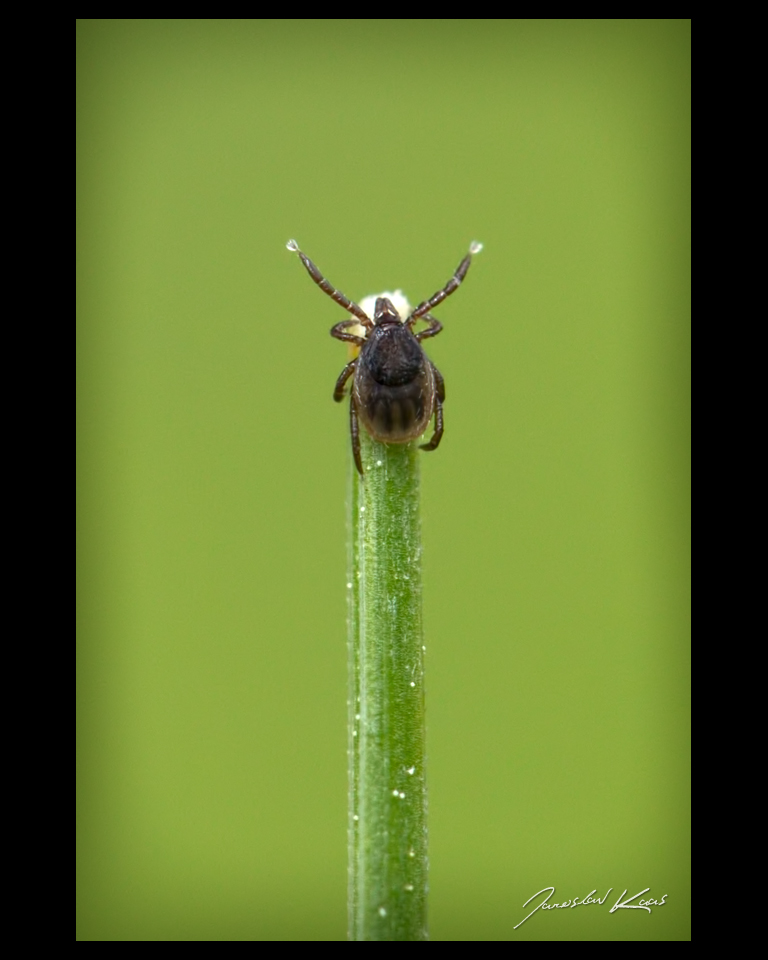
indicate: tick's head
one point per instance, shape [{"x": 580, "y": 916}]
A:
[{"x": 385, "y": 312}]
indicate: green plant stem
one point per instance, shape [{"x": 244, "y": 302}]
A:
[{"x": 387, "y": 777}]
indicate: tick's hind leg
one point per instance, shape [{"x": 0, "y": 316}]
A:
[
  {"x": 437, "y": 436},
  {"x": 346, "y": 373},
  {"x": 354, "y": 429},
  {"x": 439, "y": 384}
]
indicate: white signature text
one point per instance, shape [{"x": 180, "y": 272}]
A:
[{"x": 623, "y": 903}]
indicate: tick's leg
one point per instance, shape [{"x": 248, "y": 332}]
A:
[
  {"x": 439, "y": 384},
  {"x": 338, "y": 332},
  {"x": 438, "y": 434},
  {"x": 453, "y": 284},
  {"x": 432, "y": 330},
  {"x": 354, "y": 429},
  {"x": 327, "y": 287},
  {"x": 346, "y": 373}
]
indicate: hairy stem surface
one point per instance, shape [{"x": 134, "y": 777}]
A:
[{"x": 387, "y": 777}]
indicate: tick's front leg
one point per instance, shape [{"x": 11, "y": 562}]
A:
[
  {"x": 327, "y": 287},
  {"x": 448, "y": 289}
]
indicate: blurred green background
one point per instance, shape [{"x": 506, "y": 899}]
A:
[{"x": 213, "y": 462}]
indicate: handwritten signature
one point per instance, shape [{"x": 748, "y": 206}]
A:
[{"x": 621, "y": 903}]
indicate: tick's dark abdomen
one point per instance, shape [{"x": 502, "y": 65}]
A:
[
  {"x": 396, "y": 412},
  {"x": 394, "y": 385}
]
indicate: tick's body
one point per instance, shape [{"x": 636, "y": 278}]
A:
[{"x": 396, "y": 387}]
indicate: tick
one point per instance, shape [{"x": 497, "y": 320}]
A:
[{"x": 396, "y": 388}]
